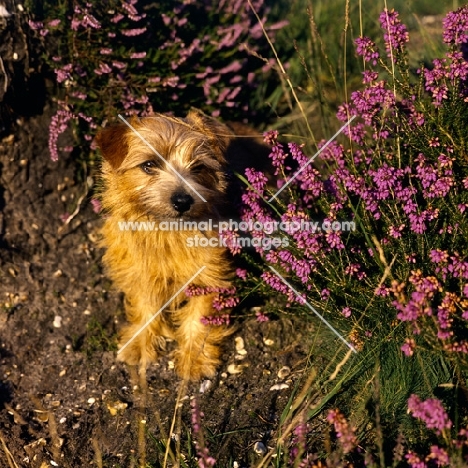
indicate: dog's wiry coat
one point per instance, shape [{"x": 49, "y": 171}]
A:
[{"x": 151, "y": 266}]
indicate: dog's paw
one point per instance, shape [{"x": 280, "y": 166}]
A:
[
  {"x": 195, "y": 368},
  {"x": 136, "y": 348}
]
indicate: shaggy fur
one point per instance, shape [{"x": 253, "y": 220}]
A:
[{"x": 151, "y": 266}]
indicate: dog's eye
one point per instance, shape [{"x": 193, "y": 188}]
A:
[
  {"x": 149, "y": 166},
  {"x": 197, "y": 168}
]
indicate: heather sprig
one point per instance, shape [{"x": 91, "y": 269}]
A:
[
  {"x": 396, "y": 286},
  {"x": 132, "y": 58},
  {"x": 205, "y": 460},
  {"x": 402, "y": 178}
]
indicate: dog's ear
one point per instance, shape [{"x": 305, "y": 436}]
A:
[
  {"x": 219, "y": 134},
  {"x": 112, "y": 141}
]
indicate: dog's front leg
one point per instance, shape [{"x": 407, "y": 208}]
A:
[
  {"x": 199, "y": 350},
  {"x": 142, "y": 340}
]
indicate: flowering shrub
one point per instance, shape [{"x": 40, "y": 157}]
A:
[
  {"x": 134, "y": 57},
  {"x": 398, "y": 284}
]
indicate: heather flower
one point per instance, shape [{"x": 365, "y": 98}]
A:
[
  {"x": 58, "y": 124},
  {"x": 395, "y": 33},
  {"x": 382, "y": 291},
  {"x": 344, "y": 431},
  {"x": 130, "y": 8},
  {"x": 230, "y": 240},
  {"x": 103, "y": 69},
  {"x": 96, "y": 204},
  {"x": 431, "y": 412},
  {"x": 64, "y": 73},
  {"x": 257, "y": 179},
  {"x": 117, "y": 18},
  {"x": 439, "y": 455},
  {"x": 205, "y": 460},
  {"x": 371, "y": 101},
  {"x": 138, "y": 55},
  {"x": 346, "y": 312},
  {"x": 367, "y": 49},
  {"x": 369, "y": 76},
  {"x": 325, "y": 294},
  {"x": 408, "y": 347},
  {"x": 36, "y": 25},
  {"x": 277, "y": 284},
  {"x": 226, "y": 300},
  {"x": 438, "y": 256},
  {"x": 395, "y": 231},
  {"x": 456, "y": 26},
  {"x": 271, "y": 137},
  {"x": 261, "y": 317},
  {"x": 133, "y": 32},
  {"x": 414, "y": 460},
  {"x": 241, "y": 273},
  {"x": 53, "y": 23},
  {"x": 215, "y": 320}
]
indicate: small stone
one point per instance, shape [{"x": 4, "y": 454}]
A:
[
  {"x": 284, "y": 372},
  {"x": 116, "y": 406},
  {"x": 260, "y": 448},
  {"x": 281, "y": 386},
  {"x": 239, "y": 344},
  {"x": 234, "y": 369},
  {"x": 205, "y": 385},
  {"x": 268, "y": 342},
  {"x": 91, "y": 400},
  {"x": 62, "y": 372},
  {"x": 57, "y": 321},
  {"x": 62, "y": 420},
  {"x": 42, "y": 415}
]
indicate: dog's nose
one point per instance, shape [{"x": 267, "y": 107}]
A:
[{"x": 181, "y": 202}]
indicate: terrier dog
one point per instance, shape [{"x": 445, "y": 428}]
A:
[{"x": 156, "y": 169}]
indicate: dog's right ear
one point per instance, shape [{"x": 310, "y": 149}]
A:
[{"x": 112, "y": 141}]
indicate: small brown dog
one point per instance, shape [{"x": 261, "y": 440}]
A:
[{"x": 166, "y": 169}]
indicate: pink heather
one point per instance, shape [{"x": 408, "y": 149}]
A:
[{"x": 431, "y": 412}]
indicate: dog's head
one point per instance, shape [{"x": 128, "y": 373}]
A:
[{"x": 165, "y": 167}]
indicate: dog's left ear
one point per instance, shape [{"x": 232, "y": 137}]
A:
[
  {"x": 219, "y": 134},
  {"x": 112, "y": 141}
]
